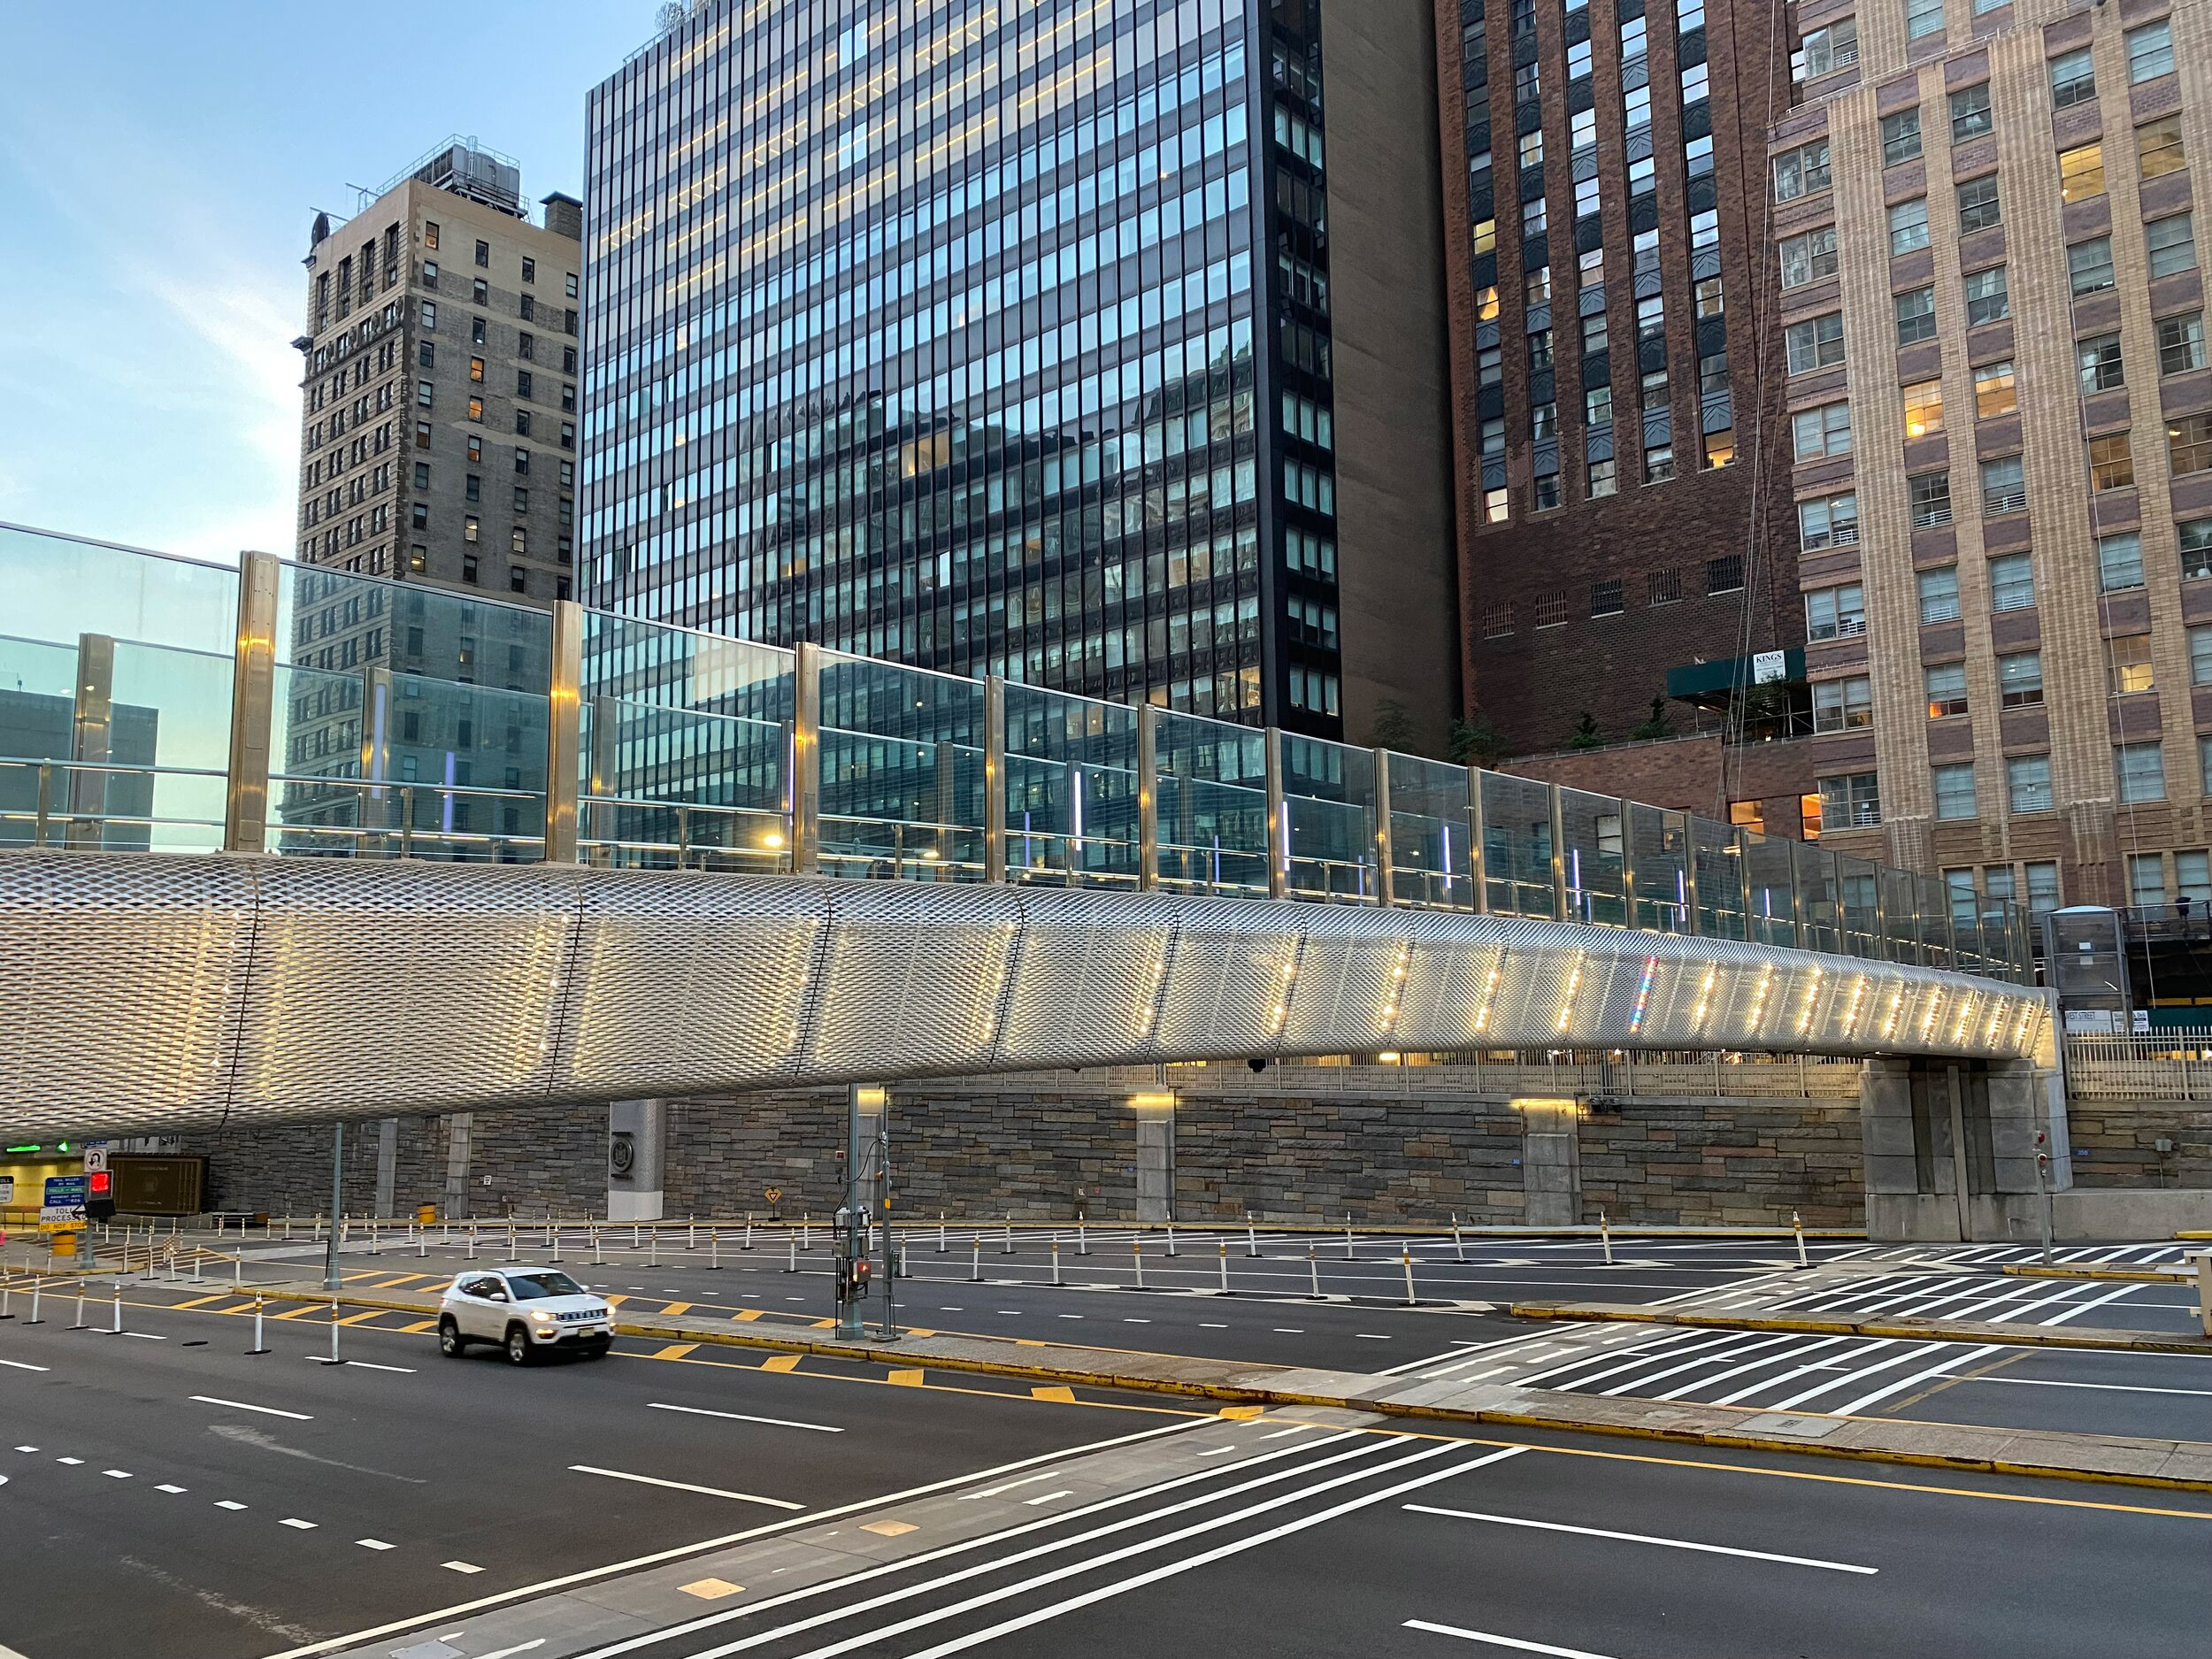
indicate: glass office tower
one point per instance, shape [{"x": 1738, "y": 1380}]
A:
[{"x": 1012, "y": 340}]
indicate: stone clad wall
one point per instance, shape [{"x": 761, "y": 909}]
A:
[
  {"x": 2115, "y": 1143},
  {"x": 1678, "y": 1162}
]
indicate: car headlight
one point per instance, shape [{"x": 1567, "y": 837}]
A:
[{"x": 541, "y": 1315}]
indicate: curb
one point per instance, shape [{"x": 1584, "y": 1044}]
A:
[
  {"x": 1232, "y": 1394},
  {"x": 2139, "y": 1275},
  {"x": 1997, "y": 1335}
]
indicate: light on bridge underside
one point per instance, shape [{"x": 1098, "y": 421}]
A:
[
  {"x": 1489, "y": 993},
  {"x": 1805, "y": 1010},
  {"x": 1567, "y": 1002}
]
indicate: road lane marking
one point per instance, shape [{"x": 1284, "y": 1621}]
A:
[
  {"x": 1513, "y": 1642},
  {"x": 909, "y": 1378},
  {"x": 240, "y": 1405},
  {"x": 1049, "y": 1497},
  {"x": 675, "y": 1308},
  {"x": 373, "y": 1543},
  {"x": 71, "y": 1462},
  {"x": 674, "y": 1350},
  {"x": 742, "y": 1416},
  {"x": 27, "y": 1449},
  {"x": 712, "y": 1589},
  {"x": 465, "y": 1566},
  {"x": 16, "y": 1365},
  {"x": 229, "y": 1503},
  {"x": 2113, "y": 1387},
  {"x": 1642, "y": 1538},
  {"x": 366, "y": 1365},
  {"x": 165, "y": 1487},
  {"x": 993, "y": 1492},
  {"x": 781, "y": 1362},
  {"x": 683, "y": 1485},
  {"x": 354, "y": 1638},
  {"x": 299, "y": 1525},
  {"x": 117, "y": 1474},
  {"x": 1055, "y": 1395}
]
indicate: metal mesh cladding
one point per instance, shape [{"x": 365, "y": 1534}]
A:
[{"x": 153, "y": 991}]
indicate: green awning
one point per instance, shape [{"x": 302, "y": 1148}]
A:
[{"x": 1694, "y": 680}]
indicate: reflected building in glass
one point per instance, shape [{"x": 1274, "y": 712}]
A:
[{"x": 1094, "y": 343}]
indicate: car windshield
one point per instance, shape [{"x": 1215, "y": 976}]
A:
[{"x": 530, "y": 1286}]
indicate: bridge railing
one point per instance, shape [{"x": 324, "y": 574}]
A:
[{"x": 162, "y": 704}]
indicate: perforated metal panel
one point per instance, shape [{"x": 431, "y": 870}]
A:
[{"x": 149, "y": 992}]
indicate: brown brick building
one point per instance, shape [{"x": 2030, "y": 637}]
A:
[{"x": 1616, "y": 377}]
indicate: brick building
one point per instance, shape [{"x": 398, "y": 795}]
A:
[
  {"x": 1615, "y": 362},
  {"x": 2002, "y": 415}
]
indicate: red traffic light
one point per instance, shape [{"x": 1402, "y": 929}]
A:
[{"x": 98, "y": 1181}]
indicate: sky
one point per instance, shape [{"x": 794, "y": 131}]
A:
[{"x": 160, "y": 163}]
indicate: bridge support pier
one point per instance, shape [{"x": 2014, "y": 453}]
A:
[
  {"x": 1156, "y": 1156},
  {"x": 637, "y": 1145},
  {"x": 1951, "y": 1149},
  {"x": 1551, "y": 1162}
]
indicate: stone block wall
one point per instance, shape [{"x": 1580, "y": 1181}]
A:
[
  {"x": 1681, "y": 1162},
  {"x": 2115, "y": 1143}
]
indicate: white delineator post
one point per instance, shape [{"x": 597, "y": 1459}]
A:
[{"x": 2204, "y": 1291}]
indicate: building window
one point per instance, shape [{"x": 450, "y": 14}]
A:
[
  {"x": 2028, "y": 782},
  {"x": 1808, "y": 258},
  {"x": 1828, "y": 521},
  {"x": 2172, "y": 244},
  {"x": 1826, "y": 50},
  {"x": 1995, "y": 393},
  {"x": 2147, "y": 880},
  {"x": 476, "y": 409},
  {"x": 2158, "y": 148},
  {"x": 522, "y": 423},
  {"x": 1662, "y": 587},
  {"x": 469, "y": 527},
  {"x": 2004, "y": 486},
  {"x": 1551, "y": 611},
  {"x": 1939, "y": 594},
  {"x": 430, "y": 273},
  {"x": 570, "y": 285},
  {"x": 1496, "y": 507},
  {"x": 1970, "y": 115},
  {"x": 2195, "y": 535},
  {"x": 2089, "y": 265},
  {"x": 1658, "y": 464},
  {"x": 1724, "y": 574},
  {"x": 2200, "y": 655},
  {"x": 1915, "y": 315},
  {"x": 2193, "y": 876},
  {"x": 2012, "y": 582},
  {"x": 1543, "y": 421},
  {"x": 2111, "y": 463},
  {"x": 1815, "y": 343},
  {"x": 2081, "y": 173},
  {"x": 1823, "y": 432},
  {"x": 1923, "y": 18},
  {"x": 1712, "y": 300},
  {"x": 1900, "y": 137},
  {"x": 1947, "y": 689},
  {"x": 1842, "y": 705},
  {"x": 1954, "y": 791},
  {"x": 1544, "y": 492},
  {"x": 422, "y": 435},
  {"x": 468, "y": 568},
  {"x": 2150, "y": 52},
  {"x": 1801, "y": 171},
  {"x": 420, "y": 516},
  {"x": 2102, "y": 367},
  {"x": 1720, "y": 447},
  {"x": 2128, "y": 663},
  {"x": 2139, "y": 770},
  {"x": 473, "y": 486},
  {"x": 1497, "y": 621},
  {"x": 1597, "y": 406},
  {"x": 2020, "y": 680},
  {"x": 1851, "y": 802},
  {"x": 1908, "y": 226},
  {"x": 1605, "y": 599},
  {"x": 1651, "y": 319},
  {"x": 1540, "y": 352},
  {"x": 1923, "y": 409},
  {"x": 1835, "y": 613},
  {"x": 2073, "y": 78},
  {"x": 1987, "y": 297},
  {"x": 2119, "y": 561},
  {"x": 2189, "y": 442},
  {"x": 480, "y": 291},
  {"x": 1931, "y": 495},
  {"x": 1533, "y": 218},
  {"x": 1979, "y": 205},
  {"x": 2181, "y": 344}
]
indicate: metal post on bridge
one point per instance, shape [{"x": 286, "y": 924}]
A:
[
  {"x": 252, "y": 705},
  {"x": 1628, "y": 864},
  {"x": 1148, "y": 797},
  {"x": 1278, "y": 816},
  {"x": 1386, "y": 880},
  {"x": 91, "y": 742},
  {"x": 1559, "y": 908},
  {"x": 802, "y": 780},
  {"x": 1478, "y": 854},
  {"x": 994, "y": 779},
  {"x": 563, "y": 732}
]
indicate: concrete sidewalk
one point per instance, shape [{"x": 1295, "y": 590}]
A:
[{"x": 2173, "y": 1465}]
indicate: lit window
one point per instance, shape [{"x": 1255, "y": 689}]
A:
[
  {"x": 2081, "y": 173},
  {"x": 2189, "y": 442},
  {"x": 2111, "y": 463},
  {"x": 1946, "y": 690},
  {"x": 2158, "y": 148},
  {"x": 1995, "y": 392},
  {"x": 1923, "y": 409},
  {"x": 2128, "y": 658}
]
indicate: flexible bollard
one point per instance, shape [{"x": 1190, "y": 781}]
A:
[
  {"x": 596, "y": 1257},
  {"x": 35, "y": 1319},
  {"x": 375, "y": 1233},
  {"x": 80, "y": 1324},
  {"x": 1313, "y": 1273},
  {"x": 1136, "y": 1254},
  {"x": 806, "y": 1234},
  {"x": 1171, "y": 1238},
  {"x": 422, "y": 1242},
  {"x": 714, "y": 1249},
  {"x": 1055, "y": 1258},
  {"x": 7, "y": 1294},
  {"x": 1251, "y": 1237},
  {"x": 1797, "y": 1225},
  {"x": 196, "y": 1254},
  {"x": 238, "y": 1272},
  {"x": 1405, "y": 1257},
  {"x": 557, "y": 1245},
  {"x": 975, "y": 1261},
  {"x": 514, "y": 1242},
  {"x": 1082, "y": 1241},
  {"x": 287, "y": 1229},
  {"x": 902, "y": 1274},
  {"x": 2204, "y": 1291},
  {"x": 691, "y": 1233},
  {"x": 1347, "y": 1238},
  {"x": 1008, "y": 1248},
  {"x": 1459, "y": 1249},
  {"x": 940, "y": 1232},
  {"x": 115, "y": 1312},
  {"x": 259, "y": 1346},
  {"x": 635, "y": 1238},
  {"x": 1605, "y": 1236},
  {"x": 333, "y": 1332},
  {"x": 471, "y": 1241},
  {"x": 653, "y": 1248},
  {"x": 792, "y": 1264},
  {"x": 1224, "y": 1267},
  {"x": 748, "y": 1233}
]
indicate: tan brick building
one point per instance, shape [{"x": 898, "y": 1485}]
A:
[{"x": 2001, "y": 422}]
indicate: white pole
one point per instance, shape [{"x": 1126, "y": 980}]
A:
[
  {"x": 653, "y": 1248},
  {"x": 1224, "y": 1267},
  {"x": 975, "y": 1261},
  {"x": 259, "y": 1346},
  {"x": 1313, "y": 1273},
  {"x": 1405, "y": 1257},
  {"x": 1171, "y": 1235},
  {"x": 1798, "y": 1226},
  {"x": 2204, "y": 1291},
  {"x": 1251, "y": 1237},
  {"x": 512, "y": 1240},
  {"x": 80, "y": 1324},
  {"x": 1055, "y": 1258},
  {"x": 1348, "y": 1237},
  {"x": 691, "y": 1233},
  {"x": 334, "y": 1330},
  {"x": 557, "y": 1244},
  {"x": 1459, "y": 1247},
  {"x": 1605, "y": 1236},
  {"x": 714, "y": 1249},
  {"x": 35, "y": 1319},
  {"x": 1082, "y": 1240},
  {"x": 597, "y": 1257},
  {"x": 749, "y": 1233},
  {"x": 422, "y": 1242},
  {"x": 1136, "y": 1254},
  {"x": 791, "y": 1264},
  {"x": 1008, "y": 1248},
  {"x": 634, "y": 1239},
  {"x": 115, "y": 1313},
  {"x": 375, "y": 1232},
  {"x": 471, "y": 1241},
  {"x": 238, "y": 1271},
  {"x": 940, "y": 1232}
]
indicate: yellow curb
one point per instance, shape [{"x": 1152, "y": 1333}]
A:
[
  {"x": 2135, "y": 1343},
  {"x": 2195, "y": 1233},
  {"x": 906, "y": 1378},
  {"x": 2139, "y": 1275}
]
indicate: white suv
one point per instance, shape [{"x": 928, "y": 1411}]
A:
[{"x": 525, "y": 1311}]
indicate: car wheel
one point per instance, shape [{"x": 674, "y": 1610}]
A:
[
  {"x": 518, "y": 1346},
  {"x": 451, "y": 1343}
]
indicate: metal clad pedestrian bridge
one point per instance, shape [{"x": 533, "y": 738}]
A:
[{"x": 283, "y": 842}]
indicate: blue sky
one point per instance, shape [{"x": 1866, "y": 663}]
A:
[{"x": 159, "y": 164}]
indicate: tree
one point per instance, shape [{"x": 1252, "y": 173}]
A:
[
  {"x": 1476, "y": 742},
  {"x": 1656, "y": 727},
  {"x": 1393, "y": 728},
  {"x": 1585, "y": 733}
]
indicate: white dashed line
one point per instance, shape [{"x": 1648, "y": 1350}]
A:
[
  {"x": 27, "y": 1449},
  {"x": 117, "y": 1474},
  {"x": 1048, "y": 1497},
  {"x": 1204, "y": 1326},
  {"x": 16, "y": 1365},
  {"x": 165, "y": 1487},
  {"x": 372, "y": 1543},
  {"x": 71, "y": 1462},
  {"x": 1369, "y": 1336},
  {"x": 304, "y": 1527},
  {"x": 460, "y": 1566},
  {"x": 240, "y": 1405},
  {"x": 1289, "y": 1330},
  {"x": 225, "y": 1503}
]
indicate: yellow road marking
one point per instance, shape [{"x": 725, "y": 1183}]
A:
[
  {"x": 906, "y": 1378},
  {"x": 712, "y": 1589},
  {"x": 420, "y": 1326},
  {"x": 363, "y": 1319},
  {"x": 393, "y": 1284},
  {"x": 1059, "y": 1396},
  {"x": 675, "y": 1350},
  {"x": 781, "y": 1361},
  {"x": 822, "y": 1325},
  {"x": 304, "y": 1311},
  {"x": 749, "y": 1315},
  {"x": 675, "y": 1308},
  {"x": 198, "y": 1301},
  {"x": 888, "y": 1529},
  {"x": 1241, "y": 1413},
  {"x": 614, "y": 1301}
]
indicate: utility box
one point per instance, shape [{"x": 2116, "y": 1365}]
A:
[{"x": 158, "y": 1184}]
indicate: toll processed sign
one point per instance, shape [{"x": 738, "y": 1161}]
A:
[{"x": 63, "y": 1199}]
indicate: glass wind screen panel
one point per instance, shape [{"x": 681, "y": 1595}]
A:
[
  {"x": 454, "y": 770},
  {"x": 1858, "y": 887},
  {"x": 903, "y": 765},
  {"x": 1329, "y": 795},
  {"x": 38, "y": 684},
  {"x": 649, "y": 662},
  {"x": 1937, "y": 948},
  {"x": 1517, "y": 845},
  {"x": 1818, "y": 897},
  {"x": 337, "y": 622},
  {"x": 1721, "y": 911},
  {"x": 1594, "y": 848},
  {"x": 1430, "y": 831},
  {"x": 678, "y": 787},
  {"x": 169, "y": 711},
  {"x": 1213, "y": 805},
  {"x": 1770, "y": 888},
  {"x": 1071, "y": 789},
  {"x": 58, "y": 587},
  {"x": 1659, "y": 841},
  {"x": 1901, "y": 913}
]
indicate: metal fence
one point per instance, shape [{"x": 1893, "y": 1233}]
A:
[{"x": 2157, "y": 1066}]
